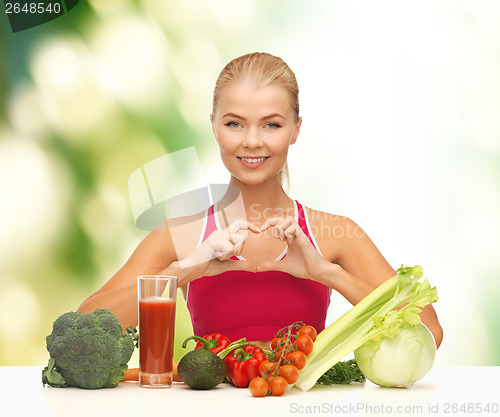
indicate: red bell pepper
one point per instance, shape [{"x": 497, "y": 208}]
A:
[
  {"x": 243, "y": 365},
  {"x": 215, "y": 342}
]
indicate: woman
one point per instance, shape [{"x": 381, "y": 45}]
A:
[{"x": 278, "y": 261}]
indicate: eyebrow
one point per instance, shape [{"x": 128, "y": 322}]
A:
[{"x": 236, "y": 116}]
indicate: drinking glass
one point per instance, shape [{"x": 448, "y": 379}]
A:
[{"x": 157, "y": 297}]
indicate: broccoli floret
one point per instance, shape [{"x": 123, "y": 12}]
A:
[{"x": 87, "y": 350}]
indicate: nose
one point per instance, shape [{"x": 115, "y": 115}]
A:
[{"x": 252, "y": 139}]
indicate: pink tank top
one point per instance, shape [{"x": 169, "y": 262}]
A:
[{"x": 240, "y": 303}]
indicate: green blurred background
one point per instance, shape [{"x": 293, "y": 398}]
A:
[{"x": 401, "y": 132}]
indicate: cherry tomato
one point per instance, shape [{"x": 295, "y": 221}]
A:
[
  {"x": 304, "y": 343},
  {"x": 309, "y": 331},
  {"x": 297, "y": 358},
  {"x": 278, "y": 385},
  {"x": 290, "y": 373},
  {"x": 278, "y": 341},
  {"x": 258, "y": 387},
  {"x": 284, "y": 350},
  {"x": 265, "y": 367}
]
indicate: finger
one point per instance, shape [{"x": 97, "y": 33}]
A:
[
  {"x": 238, "y": 265},
  {"x": 279, "y": 225},
  {"x": 288, "y": 223},
  {"x": 271, "y": 266},
  {"x": 275, "y": 225},
  {"x": 229, "y": 235},
  {"x": 270, "y": 223},
  {"x": 253, "y": 228},
  {"x": 277, "y": 233},
  {"x": 240, "y": 235},
  {"x": 238, "y": 239},
  {"x": 219, "y": 267},
  {"x": 223, "y": 249},
  {"x": 238, "y": 225},
  {"x": 291, "y": 232},
  {"x": 238, "y": 247},
  {"x": 221, "y": 245},
  {"x": 224, "y": 256}
]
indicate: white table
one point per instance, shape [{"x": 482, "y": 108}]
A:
[{"x": 445, "y": 391}]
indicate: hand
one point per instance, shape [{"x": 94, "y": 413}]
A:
[
  {"x": 212, "y": 257},
  {"x": 224, "y": 244},
  {"x": 302, "y": 258}
]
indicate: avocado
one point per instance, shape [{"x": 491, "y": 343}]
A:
[{"x": 201, "y": 369}]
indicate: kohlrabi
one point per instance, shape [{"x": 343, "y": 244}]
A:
[
  {"x": 400, "y": 361},
  {"x": 383, "y": 313}
]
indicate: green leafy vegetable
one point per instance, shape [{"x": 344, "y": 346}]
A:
[
  {"x": 132, "y": 332},
  {"x": 342, "y": 373},
  {"x": 51, "y": 377},
  {"x": 373, "y": 318}
]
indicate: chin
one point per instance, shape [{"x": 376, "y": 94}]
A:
[{"x": 254, "y": 179}]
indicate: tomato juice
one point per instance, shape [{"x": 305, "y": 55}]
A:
[{"x": 156, "y": 338}]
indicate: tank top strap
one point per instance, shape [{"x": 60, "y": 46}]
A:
[
  {"x": 303, "y": 222},
  {"x": 209, "y": 224}
]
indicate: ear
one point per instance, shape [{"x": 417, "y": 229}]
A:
[
  {"x": 213, "y": 127},
  {"x": 297, "y": 131}
]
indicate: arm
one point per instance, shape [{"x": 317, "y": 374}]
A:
[
  {"x": 156, "y": 255},
  {"x": 353, "y": 266},
  {"x": 360, "y": 268},
  {"x": 119, "y": 295}
]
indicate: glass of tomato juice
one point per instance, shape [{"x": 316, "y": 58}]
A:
[{"x": 157, "y": 295}]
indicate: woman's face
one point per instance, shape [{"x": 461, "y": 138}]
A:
[{"x": 254, "y": 128}]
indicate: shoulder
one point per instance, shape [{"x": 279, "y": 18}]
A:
[
  {"x": 334, "y": 233},
  {"x": 335, "y": 224},
  {"x": 344, "y": 242}
]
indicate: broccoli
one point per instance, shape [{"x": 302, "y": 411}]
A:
[{"x": 87, "y": 350}]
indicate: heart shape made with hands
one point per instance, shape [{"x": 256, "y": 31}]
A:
[{"x": 301, "y": 257}]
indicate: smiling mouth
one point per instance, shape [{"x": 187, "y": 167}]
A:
[{"x": 253, "y": 160}]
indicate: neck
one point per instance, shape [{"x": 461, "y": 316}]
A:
[{"x": 263, "y": 199}]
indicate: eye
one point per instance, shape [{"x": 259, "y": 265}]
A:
[
  {"x": 232, "y": 124},
  {"x": 273, "y": 125}
]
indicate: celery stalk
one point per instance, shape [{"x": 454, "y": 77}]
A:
[
  {"x": 344, "y": 325},
  {"x": 374, "y": 316}
]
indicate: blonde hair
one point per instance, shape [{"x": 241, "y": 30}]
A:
[{"x": 262, "y": 69}]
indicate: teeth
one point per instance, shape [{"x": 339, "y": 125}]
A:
[{"x": 253, "y": 160}]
